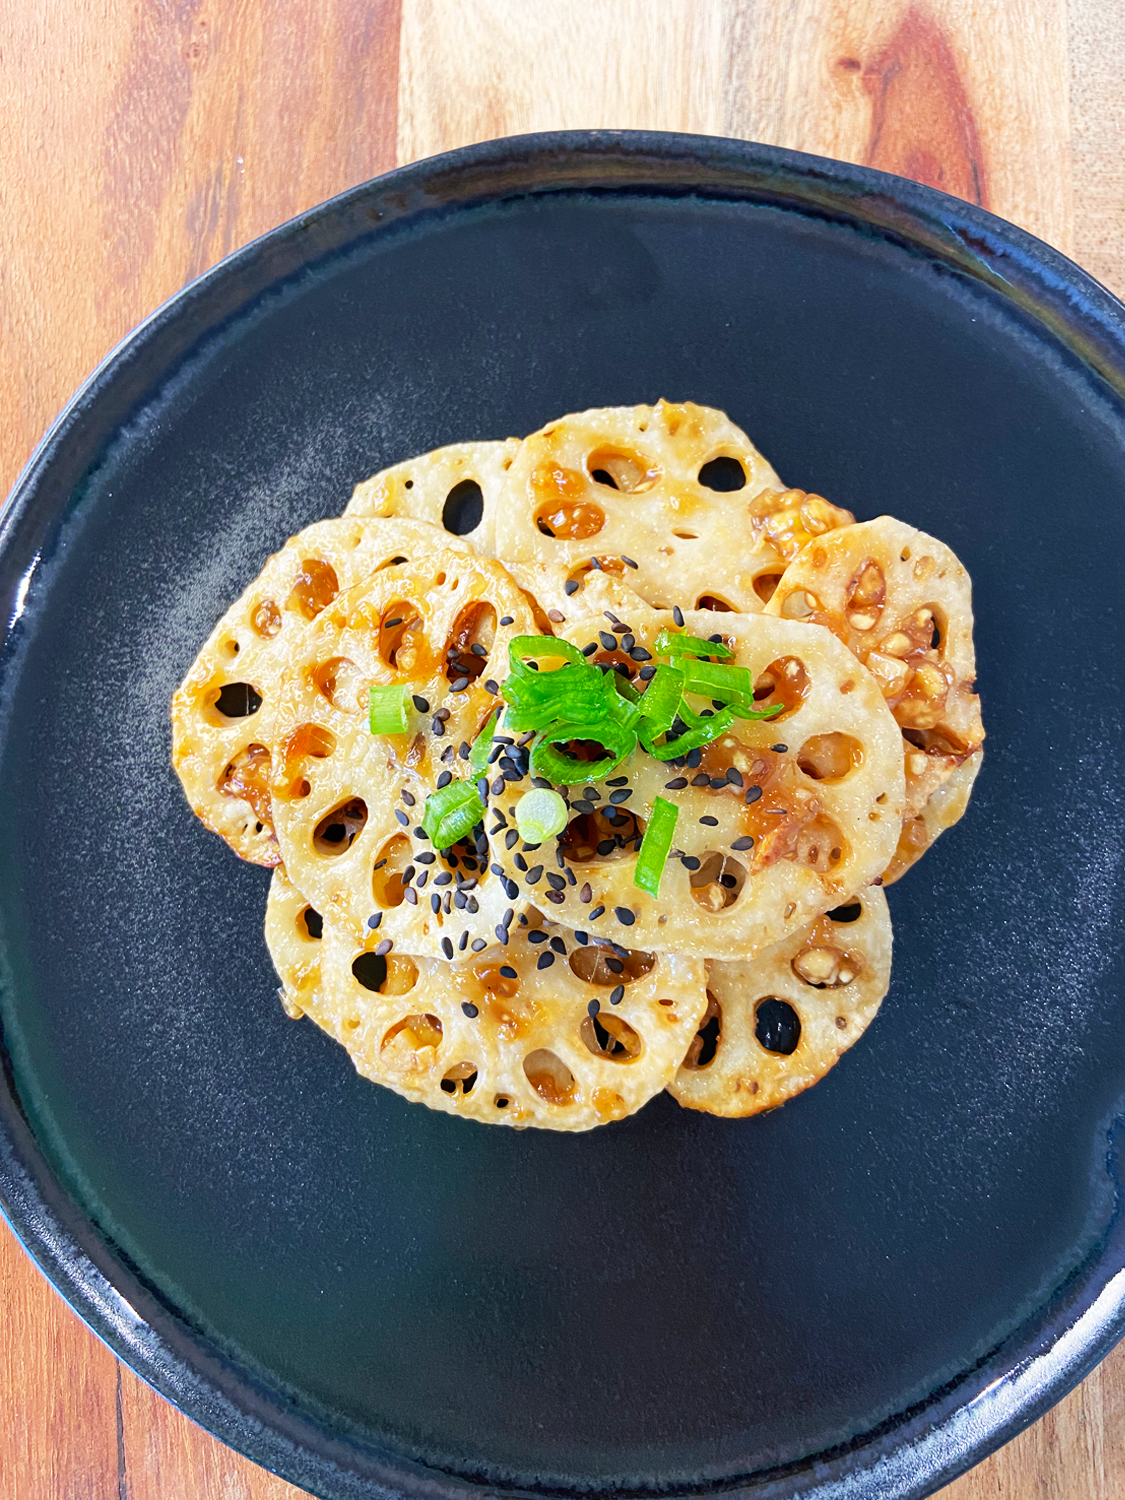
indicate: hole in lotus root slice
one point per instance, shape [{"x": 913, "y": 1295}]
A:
[
  {"x": 784, "y": 682},
  {"x": 723, "y": 474},
  {"x": 260, "y": 632},
  {"x": 414, "y": 625},
  {"x": 830, "y": 757},
  {"x": 294, "y": 932},
  {"x": 945, "y": 806},
  {"x": 607, "y": 967},
  {"x": 753, "y": 1067},
  {"x": 747, "y": 812},
  {"x": 391, "y": 974},
  {"x": 454, "y": 488},
  {"x": 314, "y": 588},
  {"x": 460, "y": 1079},
  {"x": 765, "y": 585},
  {"x": 338, "y": 830},
  {"x": 777, "y": 1026},
  {"x": 902, "y": 602},
  {"x": 307, "y": 742},
  {"x": 463, "y": 510},
  {"x": 564, "y": 1053},
  {"x": 341, "y": 683},
  {"x": 651, "y": 489},
  {"x": 705, "y": 1043},
  {"x": 718, "y": 882},
  {"x": 247, "y": 779},
  {"x": 237, "y": 700}
]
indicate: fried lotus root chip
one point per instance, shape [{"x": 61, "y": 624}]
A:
[
  {"x": 669, "y": 497},
  {"x": 557, "y": 599},
  {"x": 945, "y": 806},
  {"x": 903, "y": 603},
  {"x": 294, "y": 933},
  {"x": 348, "y": 804},
  {"x": 455, "y": 488},
  {"x": 775, "y": 1024},
  {"x": 780, "y": 820},
  {"x": 222, "y": 712},
  {"x": 538, "y": 1032}
]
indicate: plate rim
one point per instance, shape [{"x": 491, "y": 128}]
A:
[{"x": 915, "y": 1452}]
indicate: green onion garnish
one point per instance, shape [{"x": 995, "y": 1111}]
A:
[
  {"x": 616, "y": 740},
  {"x": 390, "y": 709},
  {"x": 699, "y": 733},
  {"x": 540, "y": 815},
  {"x": 452, "y": 813},
  {"x": 522, "y": 647},
  {"x": 482, "y": 746},
  {"x": 668, "y": 644},
  {"x": 655, "y": 845},
  {"x": 575, "y": 693},
  {"x": 661, "y": 700}
]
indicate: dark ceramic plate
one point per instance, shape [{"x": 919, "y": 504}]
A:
[{"x": 858, "y": 1295}]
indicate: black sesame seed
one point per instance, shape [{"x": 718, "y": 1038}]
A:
[
  {"x": 512, "y": 772},
  {"x": 379, "y": 863},
  {"x": 401, "y": 816},
  {"x": 468, "y": 1007},
  {"x": 781, "y": 749},
  {"x": 556, "y": 882},
  {"x": 537, "y": 935},
  {"x": 508, "y": 620},
  {"x": 443, "y": 879},
  {"x": 571, "y": 586},
  {"x": 678, "y": 615},
  {"x": 410, "y": 896},
  {"x": 607, "y": 640},
  {"x": 628, "y": 561},
  {"x": 690, "y": 862},
  {"x": 459, "y": 684},
  {"x": 711, "y": 822},
  {"x": 753, "y": 794},
  {"x": 745, "y": 842},
  {"x": 638, "y": 653},
  {"x": 511, "y": 838},
  {"x": 646, "y": 674},
  {"x": 444, "y": 779},
  {"x": 617, "y": 994},
  {"x": 734, "y": 776},
  {"x": 447, "y": 755},
  {"x": 624, "y": 915},
  {"x": 701, "y": 780},
  {"x": 677, "y": 784},
  {"x": 556, "y": 896},
  {"x": 508, "y": 972},
  {"x": 472, "y": 906},
  {"x": 390, "y": 624},
  {"x": 717, "y": 638},
  {"x": 614, "y": 965},
  {"x": 501, "y": 933},
  {"x": 477, "y": 649},
  {"x": 459, "y": 900},
  {"x": 373, "y": 921},
  {"x": 435, "y": 903},
  {"x": 497, "y": 786},
  {"x": 437, "y": 727},
  {"x": 717, "y": 783},
  {"x": 556, "y": 616},
  {"x": 463, "y": 941},
  {"x": 598, "y": 911},
  {"x": 594, "y": 563},
  {"x": 520, "y": 863},
  {"x": 420, "y": 703},
  {"x": 693, "y": 757},
  {"x": 544, "y": 961},
  {"x": 586, "y": 895},
  {"x": 535, "y": 874},
  {"x": 477, "y": 944},
  {"x": 606, "y": 846},
  {"x": 491, "y": 687},
  {"x": 383, "y": 948},
  {"x": 621, "y": 795},
  {"x": 580, "y": 805}
]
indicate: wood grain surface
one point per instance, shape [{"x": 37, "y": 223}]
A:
[{"x": 141, "y": 140}]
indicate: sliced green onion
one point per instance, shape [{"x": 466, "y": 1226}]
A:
[
  {"x": 482, "y": 745},
  {"x": 668, "y": 644},
  {"x": 715, "y": 680},
  {"x": 522, "y": 647},
  {"x": 701, "y": 732},
  {"x": 540, "y": 815},
  {"x": 653, "y": 855},
  {"x": 452, "y": 813},
  {"x": 661, "y": 699},
  {"x": 390, "y": 709},
  {"x": 575, "y": 693},
  {"x": 616, "y": 739}
]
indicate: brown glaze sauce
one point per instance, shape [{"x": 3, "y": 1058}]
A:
[{"x": 248, "y": 776}]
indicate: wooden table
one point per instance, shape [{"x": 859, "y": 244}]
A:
[{"x": 141, "y": 140}]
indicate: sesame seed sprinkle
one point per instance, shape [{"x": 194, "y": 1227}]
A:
[
  {"x": 383, "y": 948},
  {"x": 470, "y": 1009}
]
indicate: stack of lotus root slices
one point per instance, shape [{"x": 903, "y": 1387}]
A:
[{"x": 692, "y": 899}]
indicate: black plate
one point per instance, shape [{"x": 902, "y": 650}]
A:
[{"x": 860, "y": 1294}]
